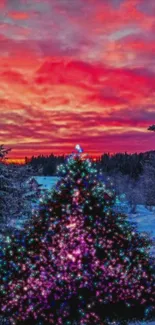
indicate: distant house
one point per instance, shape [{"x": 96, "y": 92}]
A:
[
  {"x": 33, "y": 182},
  {"x": 34, "y": 185}
]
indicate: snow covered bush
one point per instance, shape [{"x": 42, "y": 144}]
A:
[{"x": 16, "y": 191}]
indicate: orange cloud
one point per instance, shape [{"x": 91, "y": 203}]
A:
[
  {"x": 95, "y": 117},
  {"x": 77, "y": 72},
  {"x": 11, "y": 76},
  {"x": 18, "y": 15}
]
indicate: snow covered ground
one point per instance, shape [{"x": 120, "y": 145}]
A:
[{"x": 47, "y": 182}]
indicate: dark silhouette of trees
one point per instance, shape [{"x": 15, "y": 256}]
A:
[
  {"x": 132, "y": 174},
  {"x": 151, "y": 127}
]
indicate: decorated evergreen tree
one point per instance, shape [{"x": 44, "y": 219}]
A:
[{"x": 79, "y": 262}]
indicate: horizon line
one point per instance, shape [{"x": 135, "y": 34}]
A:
[{"x": 23, "y": 159}]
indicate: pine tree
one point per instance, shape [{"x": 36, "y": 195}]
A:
[
  {"x": 3, "y": 152},
  {"x": 5, "y": 193},
  {"x": 147, "y": 181},
  {"x": 78, "y": 262},
  {"x": 16, "y": 194},
  {"x": 151, "y": 127},
  {"x": 4, "y": 183}
]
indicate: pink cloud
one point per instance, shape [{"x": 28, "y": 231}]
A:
[
  {"x": 129, "y": 84},
  {"x": 77, "y": 71},
  {"x": 2, "y": 4},
  {"x": 11, "y": 76},
  {"x": 18, "y": 15}
]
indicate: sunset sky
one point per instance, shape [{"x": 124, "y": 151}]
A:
[{"x": 77, "y": 71}]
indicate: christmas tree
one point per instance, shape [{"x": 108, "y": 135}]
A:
[{"x": 78, "y": 262}]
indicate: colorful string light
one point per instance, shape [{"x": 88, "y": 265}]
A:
[{"x": 78, "y": 262}]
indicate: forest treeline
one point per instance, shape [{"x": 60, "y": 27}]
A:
[
  {"x": 127, "y": 164},
  {"x": 132, "y": 174}
]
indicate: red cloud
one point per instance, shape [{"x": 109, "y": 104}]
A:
[
  {"x": 11, "y": 76},
  {"x": 71, "y": 99},
  {"x": 67, "y": 72},
  {"x": 138, "y": 45},
  {"x": 125, "y": 85},
  {"x": 101, "y": 131},
  {"x": 99, "y": 144},
  {"x": 2, "y": 4},
  {"x": 18, "y": 15}
]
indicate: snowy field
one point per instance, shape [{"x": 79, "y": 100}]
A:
[{"x": 47, "y": 182}]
